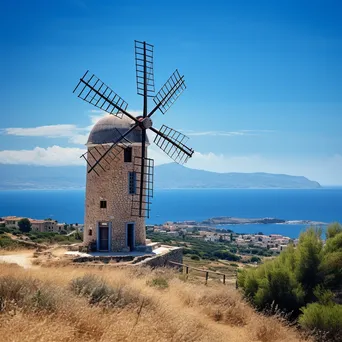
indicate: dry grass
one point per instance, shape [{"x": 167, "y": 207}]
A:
[
  {"x": 131, "y": 304},
  {"x": 16, "y": 250}
]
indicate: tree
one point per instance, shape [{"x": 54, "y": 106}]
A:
[
  {"x": 24, "y": 225},
  {"x": 333, "y": 229},
  {"x": 308, "y": 255}
]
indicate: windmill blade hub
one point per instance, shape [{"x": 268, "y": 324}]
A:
[{"x": 145, "y": 122}]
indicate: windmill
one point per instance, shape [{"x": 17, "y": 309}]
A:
[{"x": 107, "y": 143}]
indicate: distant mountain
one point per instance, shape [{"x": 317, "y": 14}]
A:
[
  {"x": 177, "y": 176},
  {"x": 41, "y": 177},
  {"x": 167, "y": 176}
]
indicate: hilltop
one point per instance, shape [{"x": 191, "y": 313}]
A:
[{"x": 16, "y": 177}]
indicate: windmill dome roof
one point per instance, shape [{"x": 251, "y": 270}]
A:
[{"x": 109, "y": 128}]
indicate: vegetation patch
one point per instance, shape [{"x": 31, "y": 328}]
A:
[
  {"x": 302, "y": 281},
  {"x": 98, "y": 292},
  {"x": 26, "y": 293},
  {"x": 158, "y": 282}
]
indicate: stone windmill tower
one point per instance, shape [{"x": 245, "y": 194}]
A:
[{"x": 119, "y": 174}]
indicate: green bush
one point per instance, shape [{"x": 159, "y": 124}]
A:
[
  {"x": 225, "y": 255},
  {"x": 158, "y": 282},
  {"x": 308, "y": 256},
  {"x": 7, "y": 243},
  {"x": 331, "y": 268},
  {"x": 255, "y": 259},
  {"x": 298, "y": 277},
  {"x": 325, "y": 320},
  {"x": 288, "y": 281},
  {"x": 279, "y": 288},
  {"x": 195, "y": 257},
  {"x": 11, "y": 230},
  {"x": 334, "y": 244},
  {"x": 333, "y": 229}
]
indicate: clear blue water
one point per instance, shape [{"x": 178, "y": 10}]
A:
[{"x": 193, "y": 204}]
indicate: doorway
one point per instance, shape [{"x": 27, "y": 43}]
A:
[
  {"x": 103, "y": 244},
  {"x": 130, "y": 236}
]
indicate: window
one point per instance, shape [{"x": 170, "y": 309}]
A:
[
  {"x": 103, "y": 204},
  {"x": 128, "y": 154},
  {"x": 131, "y": 183}
]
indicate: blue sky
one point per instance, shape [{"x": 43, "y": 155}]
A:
[{"x": 264, "y": 79}]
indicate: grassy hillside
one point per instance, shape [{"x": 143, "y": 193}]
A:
[{"x": 131, "y": 304}]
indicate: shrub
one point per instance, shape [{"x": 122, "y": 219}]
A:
[
  {"x": 334, "y": 244},
  {"x": 255, "y": 259},
  {"x": 225, "y": 255},
  {"x": 195, "y": 257},
  {"x": 333, "y": 229},
  {"x": 7, "y": 243},
  {"x": 43, "y": 300},
  {"x": 288, "y": 281},
  {"x": 297, "y": 277},
  {"x": 99, "y": 292},
  {"x": 158, "y": 282},
  {"x": 26, "y": 293},
  {"x": 326, "y": 320},
  {"x": 308, "y": 256},
  {"x": 331, "y": 268},
  {"x": 279, "y": 288}
]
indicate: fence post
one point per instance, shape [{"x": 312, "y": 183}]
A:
[
  {"x": 206, "y": 277},
  {"x": 224, "y": 279},
  {"x": 187, "y": 269}
]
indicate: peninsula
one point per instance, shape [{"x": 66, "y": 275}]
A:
[{"x": 228, "y": 220}]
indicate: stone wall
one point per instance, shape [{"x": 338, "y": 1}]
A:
[
  {"x": 111, "y": 185},
  {"x": 175, "y": 254}
]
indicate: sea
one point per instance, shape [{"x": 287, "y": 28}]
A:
[{"x": 323, "y": 205}]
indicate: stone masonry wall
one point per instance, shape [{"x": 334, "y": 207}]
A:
[
  {"x": 112, "y": 186},
  {"x": 175, "y": 255}
]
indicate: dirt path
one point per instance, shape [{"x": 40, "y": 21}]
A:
[{"x": 22, "y": 259}]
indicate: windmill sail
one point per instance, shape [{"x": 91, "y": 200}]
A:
[
  {"x": 169, "y": 93},
  {"x": 144, "y": 58},
  {"x": 141, "y": 201},
  {"x": 95, "y": 153},
  {"x": 110, "y": 152},
  {"x": 92, "y": 90},
  {"x": 172, "y": 143}
]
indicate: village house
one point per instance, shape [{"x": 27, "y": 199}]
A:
[
  {"x": 12, "y": 221},
  {"x": 241, "y": 242},
  {"x": 37, "y": 225},
  {"x": 212, "y": 238},
  {"x": 282, "y": 247},
  {"x": 45, "y": 226},
  {"x": 173, "y": 233}
]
